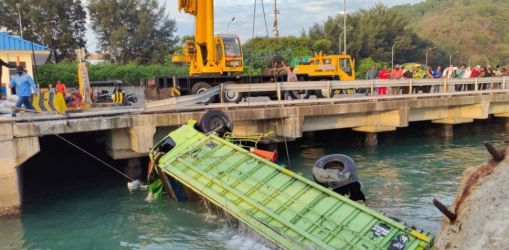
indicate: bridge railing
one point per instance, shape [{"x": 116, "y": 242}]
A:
[
  {"x": 335, "y": 91},
  {"x": 369, "y": 87}
]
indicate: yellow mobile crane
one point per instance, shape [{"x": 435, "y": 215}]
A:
[
  {"x": 215, "y": 59},
  {"x": 209, "y": 54}
]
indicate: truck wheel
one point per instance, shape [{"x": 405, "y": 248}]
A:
[
  {"x": 201, "y": 87},
  {"x": 300, "y": 94},
  {"x": 232, "y": 96},
  {"x": 215, "y": 120},
  {"x": 322, "y": 93}
]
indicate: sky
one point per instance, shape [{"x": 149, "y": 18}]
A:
[{"x": 295, "y": 15}]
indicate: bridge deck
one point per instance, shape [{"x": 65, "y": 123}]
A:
[{"x": 286, "y": 208}]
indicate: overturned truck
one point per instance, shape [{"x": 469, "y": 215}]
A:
[{"x": 288, "y": 210}]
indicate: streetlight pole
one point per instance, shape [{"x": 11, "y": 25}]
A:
[
  {"x": 228, "y": 26},
  {"x": 344, "y": 26},
  {"x": 19, "y": 17},
  {"x": 340, "y": 35},
  {"x": 392, "y": 52},
  {"x": 427, "y": 52},
  {"x": 450, "y": 57}
]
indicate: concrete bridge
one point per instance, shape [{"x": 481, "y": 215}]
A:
[{"x": 130, "y": 133}]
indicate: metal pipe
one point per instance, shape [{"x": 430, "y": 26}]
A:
[
  {"x": 340, "y": 35},
  {"x": 392, "y": 53},
  {"x": 344, "y": 26},
  {"x": 427, "y": 52}
]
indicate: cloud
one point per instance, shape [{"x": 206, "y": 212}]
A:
[{"x": 295, "y": 15}]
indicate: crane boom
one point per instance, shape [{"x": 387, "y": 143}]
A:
[{"x": 203, "y": 10}]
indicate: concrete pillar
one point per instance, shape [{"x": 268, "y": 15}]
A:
[
  {"x": 133, "y": 168},
  {"x": 118, "y": 145},
  {"x": 447, "y": 130},
  {"x": 371, "y": 139},
  {"x": 13, "y": 152}
]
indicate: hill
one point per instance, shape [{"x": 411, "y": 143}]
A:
[{"x": 478, "y": 29}]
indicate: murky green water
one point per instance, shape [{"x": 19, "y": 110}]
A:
[{"x": 400, "y": 177}]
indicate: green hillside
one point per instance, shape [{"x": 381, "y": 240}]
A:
[{"x": 478, "y": 29}]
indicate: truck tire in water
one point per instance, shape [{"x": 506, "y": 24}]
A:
[
  {"x": 335, "y": 171},
  {"x": 200, "y": 87},
  {"x": 232, "y": 96},
  {"x": 215, "y": 120}
]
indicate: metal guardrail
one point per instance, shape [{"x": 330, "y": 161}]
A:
[
  {"x": 498, "y": 82},
  {"x": 396, "y": 89}
]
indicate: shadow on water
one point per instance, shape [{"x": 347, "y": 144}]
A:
[{"x": 409, "y": 167}]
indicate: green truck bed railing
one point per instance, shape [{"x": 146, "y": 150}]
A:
[{"x": 287, "y": 209}]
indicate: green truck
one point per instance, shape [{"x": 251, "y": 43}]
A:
[{"x": 287, "y": 209}]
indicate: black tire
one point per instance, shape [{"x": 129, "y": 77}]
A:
[
  {"x": 325, "y": 174},
  {"x": 232, "y": 96},
  {"x": 299, "y": 94},
  {"x": 215, "y": 120},
  {"x": 322, "y": 93},
  {"x": 200, "y": 87}
]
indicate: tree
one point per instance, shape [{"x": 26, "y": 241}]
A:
[
  {"x": 258, "y": 52},
  {"x": 372, "y": 35},
  {"x": 58, "y": 24},
  {"x": 137, "y": 31}
]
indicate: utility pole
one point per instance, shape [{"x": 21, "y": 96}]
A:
[
  {"x": 344, "y": 26},
  {"x": 18, "y": 5},
  {"x": 392, "y": 54},
  {"x": 427, "y": 52},
  {"x": 276, "y": 12}
]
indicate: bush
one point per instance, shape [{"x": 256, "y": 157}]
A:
[
  {"x": 365, "y": 64},
  {"x": 129, "y": 73}
]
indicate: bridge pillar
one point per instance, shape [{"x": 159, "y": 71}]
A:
[
  {"x": 447, "y": 130},
  {"x": 13, "y": 152},
  {"x": 371, "y": 139},
  {"x": 133, "y": 168}
]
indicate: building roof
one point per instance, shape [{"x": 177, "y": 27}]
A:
[{"x": 10, "y": 42}]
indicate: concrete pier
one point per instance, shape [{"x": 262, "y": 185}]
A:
[
  {"x": 447, "y": 130},
  {"x": 13, "y": 152},
  {"x": 371, "y": 139},
  {"x": 129, "y": 134}
]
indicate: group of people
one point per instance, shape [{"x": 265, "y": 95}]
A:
[{"x": 426, "y": 72}]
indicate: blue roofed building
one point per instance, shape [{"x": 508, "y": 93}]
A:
[{"x": 15, "y": 50}]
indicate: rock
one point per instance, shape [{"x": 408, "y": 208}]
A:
[{"x": 481, "y": 208}]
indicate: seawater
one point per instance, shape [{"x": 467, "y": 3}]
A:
[{"x": 400, "y": 177}]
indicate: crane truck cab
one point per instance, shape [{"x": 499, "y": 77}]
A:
[
  {"x": 228, "y": 56},
  {"x": 328, "y": 67}
]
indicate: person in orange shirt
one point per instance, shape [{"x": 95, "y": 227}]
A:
[{"x": 60, "y": 88}]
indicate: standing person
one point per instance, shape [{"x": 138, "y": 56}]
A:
[
  {"x": 60, "y": 88},
  {"x": 25, "y": 86},
  {"x": 396, "y": 74},
  {"x": 383, "y": 75},
  {"x": 497, "y": 71},
  {"x": 437, "y": 73},
  {"x": 51, "y": 89},
  {"x": 428, "y": 74},
  {"x": 372, "y": 73},
  {"x": 476, "y": 72}
]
